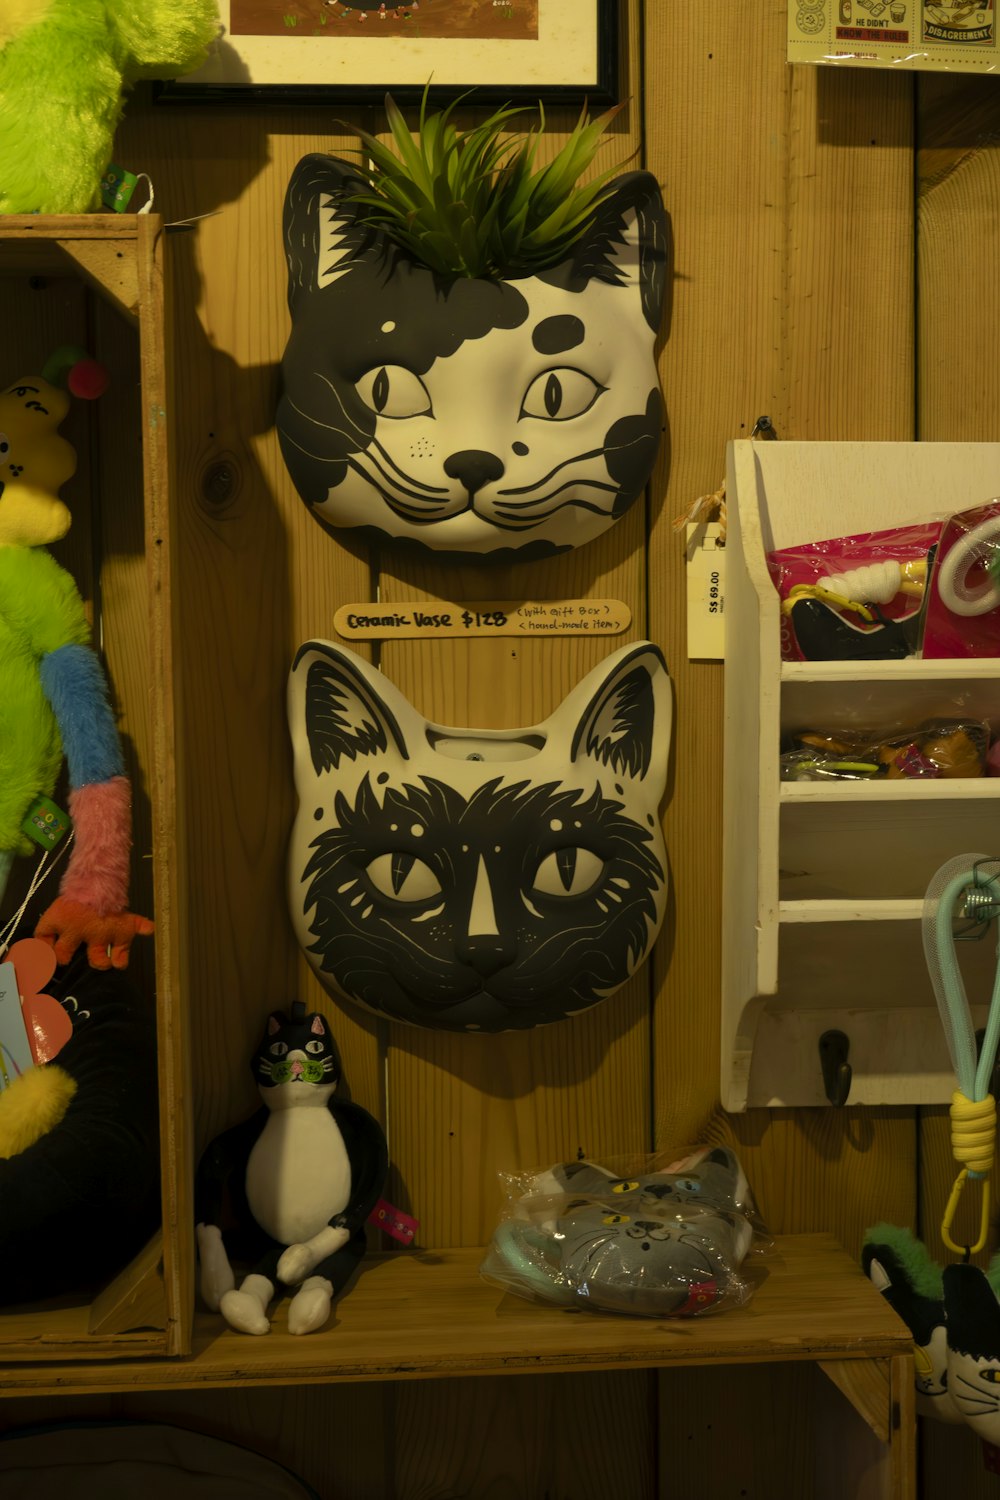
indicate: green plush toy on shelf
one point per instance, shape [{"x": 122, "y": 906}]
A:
[
  {"x": 65, "y": 67},
  {"x": 53, "y": 694}
]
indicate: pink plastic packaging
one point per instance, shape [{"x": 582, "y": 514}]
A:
[
  {"x": 865, "y": 582},
  {"x": 963, "y": 605}
]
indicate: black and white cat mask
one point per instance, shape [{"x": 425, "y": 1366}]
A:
[
  {"x": 477, "y": 880},
  {"x": 489, "y": 419}
]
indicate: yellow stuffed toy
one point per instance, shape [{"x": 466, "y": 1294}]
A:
[{"x": 65, "y": 66}]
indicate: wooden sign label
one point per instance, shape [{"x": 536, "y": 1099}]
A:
[{"x": 371, "y": 622}]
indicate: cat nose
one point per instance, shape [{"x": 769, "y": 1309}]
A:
[
  {"x": 485, "y": 954},
  {"x": 474, "y": 468}
]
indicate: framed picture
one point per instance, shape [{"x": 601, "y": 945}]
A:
[{"x": 315, "y": 51}]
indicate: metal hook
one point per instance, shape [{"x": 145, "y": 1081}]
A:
[
  {"x": 763, "y": 428},
  {"x": 979, "y": 905},
  {"x": 834, "y": 1047}
]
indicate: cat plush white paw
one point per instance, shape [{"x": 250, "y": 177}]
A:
[
  {"x": 216, "y": 1273},
  {"x": 310, "y": 1307},
  {"x": 246, "y": 1309},
  {"x": 298, "y": 1260}
]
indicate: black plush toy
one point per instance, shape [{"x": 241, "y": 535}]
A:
[
  {"x": 301, "y": 1176},
  {"x": 79, "y": 1159}
]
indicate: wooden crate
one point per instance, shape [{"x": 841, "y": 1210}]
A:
[
  {"x": 98, "y": 281},
  {"x": 824, "y": 882}
]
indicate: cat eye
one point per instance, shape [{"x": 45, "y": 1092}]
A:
[
  {"x": 278, "y": 1049},
  {"x": 568, "y": 872},
  {"x": 624, "y": 1187},
  {"x": 394, "y": 391},
  {"x": 557, "y": 395},
  {"x": 403, "y": 877},
  {"x": 314, "y": 1047},
  {"x": 616, "y": 1219}
]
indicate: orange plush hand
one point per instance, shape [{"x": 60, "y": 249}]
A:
[{"x": 68, "y": 924}]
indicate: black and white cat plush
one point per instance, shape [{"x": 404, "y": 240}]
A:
[
  {"x": 301, "y": 1177},
  {"x": 498, "y": 420},
  {"x": 954, "y": 1317},
  {"x": 477, "y": 880}
]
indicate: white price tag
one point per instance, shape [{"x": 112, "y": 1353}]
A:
[
  {"x": 15, "y": 1049},
  {"x": 706, "y": 592}
]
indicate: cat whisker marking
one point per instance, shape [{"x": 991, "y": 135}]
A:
[
  {"x": 571, "y": 484},
  {"x": 349, "y": 430},
  {"x": 513, "y": 522},
  {"x": 432, "y": 489},
  {"x": 574, "y": 458},
  {"x": 393, "y": 494}
]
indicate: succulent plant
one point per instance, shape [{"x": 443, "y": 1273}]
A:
[{"x": 474, "y": 202}]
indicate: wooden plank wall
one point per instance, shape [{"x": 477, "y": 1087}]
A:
[
  {"x": 798, "y": 253},
  {"x": 958, "y": 385}
]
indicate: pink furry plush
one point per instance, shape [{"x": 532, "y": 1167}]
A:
[
  {"x": 97, "y": 874},
  {"x": 91, "y": 906}
]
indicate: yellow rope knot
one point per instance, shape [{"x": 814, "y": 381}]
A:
[
  {"x": 973, "y": 1142},
  {"x": 973, "y": 1132}
]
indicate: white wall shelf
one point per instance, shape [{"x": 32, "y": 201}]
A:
[{"x": 824, "y": 882}]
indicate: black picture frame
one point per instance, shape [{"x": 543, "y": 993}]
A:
[{"x": 603, "y": 89}]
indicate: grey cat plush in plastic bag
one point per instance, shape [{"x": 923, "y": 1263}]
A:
[{"x": 656, "y": 1243}]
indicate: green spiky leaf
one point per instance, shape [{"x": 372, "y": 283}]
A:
[{"x": 474, "y": 202}]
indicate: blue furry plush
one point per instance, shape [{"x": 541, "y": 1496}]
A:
[{"x": 75, "y": 686}]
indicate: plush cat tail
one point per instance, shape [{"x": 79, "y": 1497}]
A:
[
  {"x": 325, "y": 232},
  {"x": 626, "y": 716},
  {"x": 902, "y": 1269},
  {"x": 346, "y": 709},
  {"x": 626, "y": 244},
  {"x": 909, "y": 1256},
  {"x": 972, "y": 1312}
]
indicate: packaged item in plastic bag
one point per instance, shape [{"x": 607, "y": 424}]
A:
[
  {"x": 650, "y": 1238},
  {"x": 854, "y": 598},
  {"x": 948, "y": 748}
]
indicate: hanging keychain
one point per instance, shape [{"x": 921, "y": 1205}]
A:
[
  {"x": 953, "y": 1311},
  {"x": 967, "y": 887}
]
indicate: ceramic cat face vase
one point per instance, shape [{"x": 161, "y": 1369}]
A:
[
  {"x": 495, "y": 420},
  {"x": 659, "y": 1244},
  {"x": 475, "y": 880}
]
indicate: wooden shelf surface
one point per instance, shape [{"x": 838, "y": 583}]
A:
[{"x": 430, "y": 1314}]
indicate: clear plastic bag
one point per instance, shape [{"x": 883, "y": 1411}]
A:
[
  {"x": 948, "y": 748},
  {"x": 652, "y": 1237}
]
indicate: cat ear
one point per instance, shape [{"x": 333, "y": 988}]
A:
[
  {"x": 273, "y": 1025},
  {"x": 626, "y": 243},
  {"x": 626, "y": 718},
  {"x": 346, "y": 709},
  {"x": 317, "y": 1028},
  {"x": 972, "y": 1312},
  {"x": 325, "y": 232}
]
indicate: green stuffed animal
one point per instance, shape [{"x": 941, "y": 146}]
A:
[{"x": 65, "y": 66}]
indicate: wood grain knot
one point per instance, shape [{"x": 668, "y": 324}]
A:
[{"x": 220, "y": 484}]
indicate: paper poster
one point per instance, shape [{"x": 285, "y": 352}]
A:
[{"x": 895, "y": 34}]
